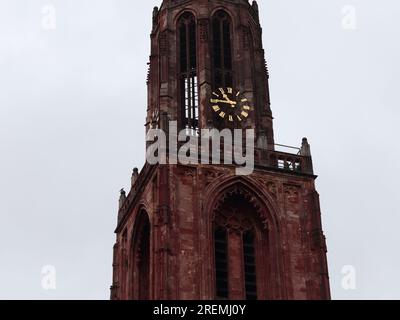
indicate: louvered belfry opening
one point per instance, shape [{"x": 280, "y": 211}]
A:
[
  {"x": 189, "y": 96},
  {"x": 222, "y": 50},
  {"x": 221, "y": 263}
]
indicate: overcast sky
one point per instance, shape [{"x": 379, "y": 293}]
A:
[{"x": 72, "y": 110}]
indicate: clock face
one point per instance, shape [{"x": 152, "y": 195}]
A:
[{"x": 230, "y": 105}]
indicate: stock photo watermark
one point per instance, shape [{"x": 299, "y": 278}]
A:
[
  {"x": 349, "y": 17},
  {"x": 49, "y": 18},
  {"x": 203, "y": 146},
  {"x": 48, "y": 278},
  {"x": 349, "y": 278}
]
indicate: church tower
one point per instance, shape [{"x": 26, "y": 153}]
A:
[{"x": 200, "y": 231}]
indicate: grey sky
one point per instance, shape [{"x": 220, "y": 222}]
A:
[{"x": 72, "y": 109}]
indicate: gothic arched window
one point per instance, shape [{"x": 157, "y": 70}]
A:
[
  {"x": 222, "y": 50},
  {"x": 221, "y": 262},
  {"x": 188, "y": 72},
  {"x": 250, "y": 277},
  {"x": 236, "y": 247},
  {"x": 141, "y": 258}
]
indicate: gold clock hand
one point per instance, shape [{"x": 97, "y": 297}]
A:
[
  {"x": 223, "y": 101},
  {"x": 226, "y": 98}
]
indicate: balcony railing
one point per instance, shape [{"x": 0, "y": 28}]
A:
[
  {"x": 291, "y": 162},
  {"x": 294, "y": 161}
]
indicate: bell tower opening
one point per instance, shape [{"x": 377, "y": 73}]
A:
[
  {"x": 222, "y": 50},
  {"x": 237, "y": 248},
  {"x": 188, "y": 80},
  {"x": 196, "y": 230}
]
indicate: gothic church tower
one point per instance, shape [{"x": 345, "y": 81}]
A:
[{"x": 200, "y": 231}]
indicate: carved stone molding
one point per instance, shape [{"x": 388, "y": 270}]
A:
[
  {"x": 190, "y": 173},
  {"x": 163, "y": 214},
  {"x": 212, "y": 175},
  {"x": 203, "y": 30},
  {"x": 246, "y": 34},
  {"x": 250, "y": 198},
  {"x": 233, "y": 221},
  {"x": 292, "y": 193},
  {"x": 271, "y": 186},
  {"x": 163, "y": 41}
]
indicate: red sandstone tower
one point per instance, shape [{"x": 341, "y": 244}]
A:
[{"x": 201, "y": 231}]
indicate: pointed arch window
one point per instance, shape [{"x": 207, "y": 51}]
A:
[
  {"x": 222, "y": 50},
  {"x": 141, "y": 259},
  {"x": 221, "y": 263},
  {"x": 250, "y": 276},
  {"x": 144, "y": 262},
  {"x": 188, "y": 72},
  {"x": 237, "y": 248}
]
